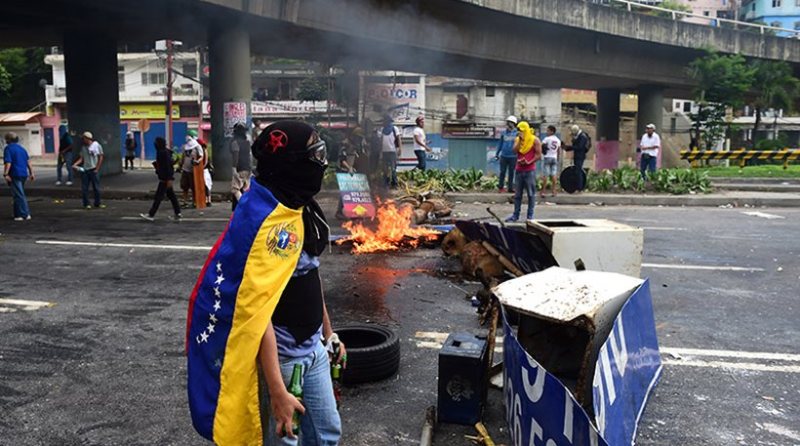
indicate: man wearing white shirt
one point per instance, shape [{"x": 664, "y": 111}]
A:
[
  {"x": 551, "y": 145},
  {"x": 420, "y": 144},
  {"x": 649, "y": 147}
]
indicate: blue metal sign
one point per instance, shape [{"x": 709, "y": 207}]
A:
[
  {"x": 628, "y": 367},
  {"x": 525, "y": 250},
  {"x": 541, "y": 411}
]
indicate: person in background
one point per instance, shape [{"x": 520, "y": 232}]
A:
[
  {"x": 130, "y": 150},
  {"x": 88, "y": 164},
  {"x": 505, "y": 154},
  {"x": 16, "y": 170},
  {"x": 65, "y": 155},
  {"x": 242, "y": 164},
  {"x": 190, "y": 155},
  {"x": 166, "y": 176},
  {"x": 421, "y": 146},
  {"x": 391, "y": 143},
  {"x": 528, "y": 149},
  {"x": 551, "y": 146},
  {"x": 649, "y": 146},
  {"x": 348, "y": 155},
  {"x": 208, "y": 170},
  {"x": 579, "y": 148}
]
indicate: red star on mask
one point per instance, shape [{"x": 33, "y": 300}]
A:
[{"x": 277, "y": 140}]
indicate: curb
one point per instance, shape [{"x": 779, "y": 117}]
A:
[{"x": 639, "y": 200}]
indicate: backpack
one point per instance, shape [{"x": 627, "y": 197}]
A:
[{"x": 588, "y": 141}]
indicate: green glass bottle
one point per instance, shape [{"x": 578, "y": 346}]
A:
[{"x": 296, "y": 389}]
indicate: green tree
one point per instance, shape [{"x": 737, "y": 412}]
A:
[
  {"x": 722, "y": 81},
  {"x": 774, "y": 87},
  {"x": 21, "y": 69},
  {"x": 311, "y": 89}
]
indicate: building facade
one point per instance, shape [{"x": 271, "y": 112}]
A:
[
  {"x": 777, "y": 13},
  {"x": 142, "y": 95}
]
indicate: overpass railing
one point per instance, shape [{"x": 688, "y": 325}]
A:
[{"x": 680, "y": 15}]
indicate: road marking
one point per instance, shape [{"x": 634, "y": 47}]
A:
[
  {"x": 700, "y": 267},
  {"x": 764, "y": 215},
  {"x": 780, "y": 430},
  {"x": 124, "y": 245},
  {"x": 670, "y": 355},
  {"x": 13, "y": 305},
  {"x": 184, "y": 219},
  {"x": 733, "y": 365},
  {"x": 662, "y": 228},
  {"x": 678, "y": 352}
]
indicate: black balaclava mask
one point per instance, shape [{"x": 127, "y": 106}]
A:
[{"x": 283, "y": 163}]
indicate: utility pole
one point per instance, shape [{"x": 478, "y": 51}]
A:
[{"x": 168, "y": 121}]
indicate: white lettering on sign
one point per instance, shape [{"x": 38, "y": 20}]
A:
[
  {"x": 391, "y": 93},
  {"x": 603, "y": 382},
  {"x": 568, "y": 407},
  {"x": 620, "y": 351},
  {"x": 533, "y": 390}
]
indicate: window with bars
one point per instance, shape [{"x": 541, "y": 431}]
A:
[{"x": 154, "y": 78}]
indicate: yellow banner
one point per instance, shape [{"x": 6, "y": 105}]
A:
[{"x": 147, "y": 111}]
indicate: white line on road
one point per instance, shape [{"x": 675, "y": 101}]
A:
[
  {"x": 12, "y": 305},
  {"x": 678, "y": 352},
  {"x": 124, "y": 245},
  {"x": 764, "y": 215},
  {"x": 700, "y": 267},
  {"x": 733, "y": 365}
]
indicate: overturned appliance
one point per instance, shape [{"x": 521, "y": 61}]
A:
[{"x": 584, "y": 358}]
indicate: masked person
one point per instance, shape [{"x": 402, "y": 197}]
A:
[
  {"x": 258, "y": 305},
  {"x": 529, "y": 150}
]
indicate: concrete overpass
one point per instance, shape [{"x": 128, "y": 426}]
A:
[{"x": 552, "y": 43}]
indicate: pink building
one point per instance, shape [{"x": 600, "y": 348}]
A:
[{"x": 712, "y": 9}]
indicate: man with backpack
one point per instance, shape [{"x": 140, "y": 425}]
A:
[{"x": 581, "y": 143}]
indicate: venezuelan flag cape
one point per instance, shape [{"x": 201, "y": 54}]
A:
[{"x": 230, "y": 307}]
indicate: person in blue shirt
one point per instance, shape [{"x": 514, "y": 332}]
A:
[
  {"x": 505, "y": 154},
  {"x": 17, "y": 166}
]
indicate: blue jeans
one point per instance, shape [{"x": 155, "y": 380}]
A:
[
  {"x": 648, "y": 163},
  {"x": 389, "y": 168},
  {"x": 421, "y": 156},
  {"x": 507, "y": 165},
  {"x": 20, "y": 202},
  {"x": 527, "y": 181},
  {"x": 65, "y": 161},
  {"x": 90, "y": 176},
  {"x": 321, "y": 424}
]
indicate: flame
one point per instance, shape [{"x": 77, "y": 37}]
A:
[{"x": 394, "y": 231}]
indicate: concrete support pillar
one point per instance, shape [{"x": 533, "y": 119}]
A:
[
  {"x": 607, "y": 155},
  {"x": 90, "y": 63},
  {"x": 651, "y": 110},
  {"x": 229, "y": 72}
]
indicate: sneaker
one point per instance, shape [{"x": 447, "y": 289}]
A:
[
  {"x": 147, "y": 217},
  {"x": 101, "y": 206},
  {"x": 58, "y": 183},
  {"x": 502, "y": 190},
  {"x": 18, "y": 219},
  {"x": 511, "y": 219},
  {"x": 529, "y": 221},
  {"x": 177, "y": 218},
  {"x": 28, "y": 217},
  {"x": 87, "y": 207},
  {"x": 69, "y": 183}
]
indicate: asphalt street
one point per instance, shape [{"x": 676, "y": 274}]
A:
[{"x": 102, "y": 362}]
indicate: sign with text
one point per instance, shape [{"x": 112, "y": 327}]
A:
[
  {"x": 402, "y": 101},
  {"x": 471, "y": 131},
  {"x": 356, "y": 197},
  {"x": 233, "y": 113},
  {"x": 540, "y": 410},
  {"x": 147, "y": 111}
]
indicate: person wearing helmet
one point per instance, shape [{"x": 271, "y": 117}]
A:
[
  {"x": 130, "y": 150},
  {"x": 258, "y": 309},
  {"x": 505, "y": 153}
]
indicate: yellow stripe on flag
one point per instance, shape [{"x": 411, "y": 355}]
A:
[{"x": 266, "y": 273}]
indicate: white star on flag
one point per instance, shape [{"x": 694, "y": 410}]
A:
[
  {"x": 219, "y": 267},
  {"x": 216, "y": 305},
  {"x": 203, "y": 337},
  {"x": 220, "y": 279},
  {"x": 212, "y": 317},
  {"x": 210, "y": 328},
  {"x": 217, "y": 292},
  {"x": 218, "y": 363}
]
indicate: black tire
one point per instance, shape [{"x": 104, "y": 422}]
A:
[
  {"x": 569, "y": 179},
  {"x": 373, "y": 353}
]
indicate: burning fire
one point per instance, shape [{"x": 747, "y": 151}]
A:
[{"x": 394, "y": 231}]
